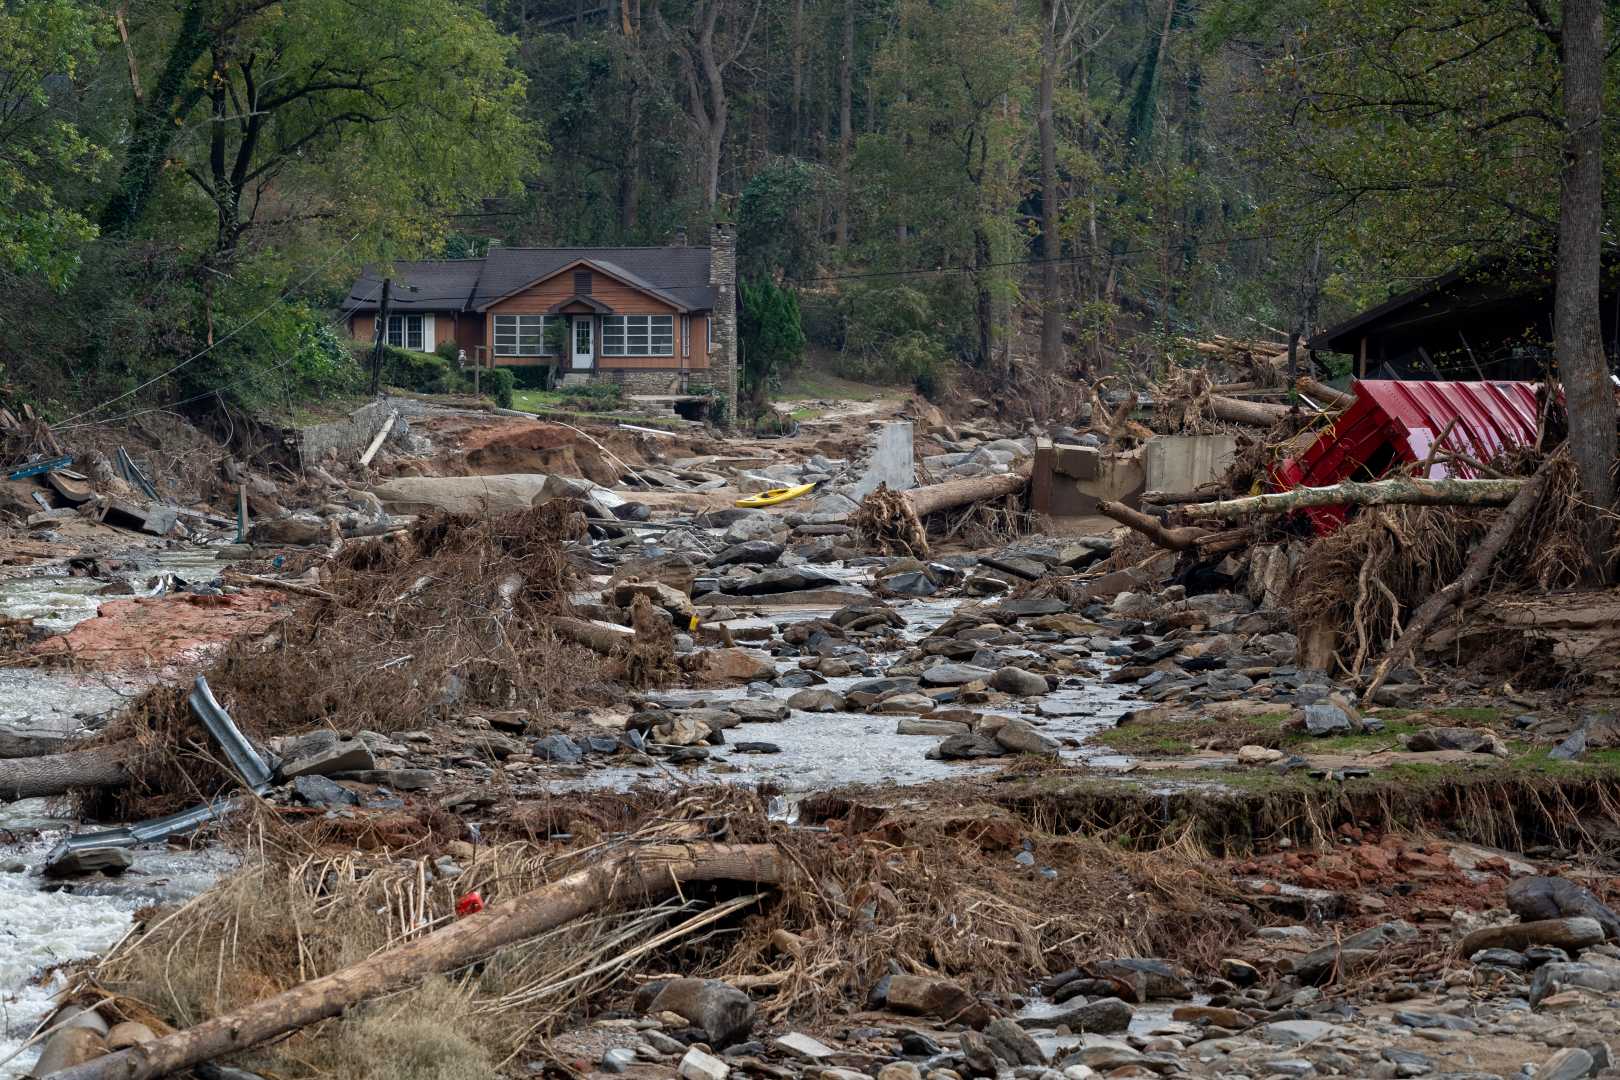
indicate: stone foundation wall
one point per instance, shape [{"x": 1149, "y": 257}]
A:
[
  {"x": 643, "y": 381},
  {"x": 352, "y": 433}
]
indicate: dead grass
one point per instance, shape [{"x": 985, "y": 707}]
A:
[
  {"x": 448, "y": 619},
  {"x": 1372, "y": 573}
]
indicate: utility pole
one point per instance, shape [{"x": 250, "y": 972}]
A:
[{"x": 382, "y": 335}]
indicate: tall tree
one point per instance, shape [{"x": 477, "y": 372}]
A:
[
  {"x": 45, "y": 45},
  {"x": 391, "y": 113},
  {"x": 1577, "y": 324},
  {"x": 706, "y": 46},
  {"x": 1062, "y": 24}
]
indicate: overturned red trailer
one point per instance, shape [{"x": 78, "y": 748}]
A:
[{"x": 1394, "y": 423}]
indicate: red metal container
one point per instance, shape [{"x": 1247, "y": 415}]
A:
[{"x": 1397, "y": 423}]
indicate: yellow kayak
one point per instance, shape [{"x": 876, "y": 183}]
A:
[{"x": 776, "y": 495}]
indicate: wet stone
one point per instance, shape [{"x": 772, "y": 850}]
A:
[
  {"x": 755, "y": 748},
  {"x": 817, "y": 699},
  {"x": 967, "y": 748},
  {"x": 557, "y": 748},
  {"x": 955, "y": 674},
  {"x": 1015, "y": 680},
  {"x": 320, "y": 791}
]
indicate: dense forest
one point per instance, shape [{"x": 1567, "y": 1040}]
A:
[{"x": 188, "y": 186}]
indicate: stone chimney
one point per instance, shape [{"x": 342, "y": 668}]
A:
[
  {"x": 723, "y": 276},
  {"x": 679, "y": 239}
]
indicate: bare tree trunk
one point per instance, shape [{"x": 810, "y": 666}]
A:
[
  {"x": 1577, "y": 327},
  {"x": 630, "y": 175},
  {"x": 846, "y": 122},
  {"x": 1051, "y": 245},
  {"x": 1238, "y": 411},
  {"x": 53, "y": 774},
  {"x": 954, "y": 493},
  {"x": 796, "y": 109},
  {"x": 1176, "y": 539},
  {"x": 1479, "y": 564},
  {"x": 638, "y": 876},
  {"x": 1404, "y": 491}
]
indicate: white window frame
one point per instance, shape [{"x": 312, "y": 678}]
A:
[
  {"x": 519, "y": 334},
  {"x": 637, "y": 335},
  {"x": 402, "y": 329},
  {"x": 708, "y": 326}
]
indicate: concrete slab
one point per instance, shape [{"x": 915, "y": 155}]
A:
[{"x": 893, "y": 462}]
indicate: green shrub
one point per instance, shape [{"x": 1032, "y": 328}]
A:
[
  {"x": 533, "y": 376},
  {"x": 597, "y": 393},
  {"x": 825, "y": 319},
  {"x": 771, "y": 340},
  {"x": 422, "y": 373},
  {"x": 499, "y": 384},
  {"x": 449, "y": 352}
]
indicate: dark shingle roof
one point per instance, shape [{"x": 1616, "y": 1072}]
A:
[
  {"x": 440, "y": 285},
  {"x": 679, "y": 273}
]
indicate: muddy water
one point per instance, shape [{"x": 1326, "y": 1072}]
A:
[
  {"x": 58, "y": 602},
  {"x": 40, "y": 929}
]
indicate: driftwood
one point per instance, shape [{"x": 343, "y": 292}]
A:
[
  {"x": 1176, "y": 539},
  {"x": 636, "y": 876},
  {"x": 1409, "y": 491},
  {"x": 954, "y": 493},
  {"x": 594, "y": 636},
  {"x": 1238, "y": 411},
  {"x": 1479, "y": 564},
  {"x": 1322, "y": 392},
  {"x": 52, "y": 774}
]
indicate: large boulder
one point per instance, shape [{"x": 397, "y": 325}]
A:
[{"x": 723, "y": 1012}]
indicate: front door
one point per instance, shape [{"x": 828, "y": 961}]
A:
[{"x": 584, "y": 352}]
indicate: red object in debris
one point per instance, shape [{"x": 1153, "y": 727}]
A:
[
  {"x": 471, "y": 904},
  {"x": 1392, "y": 423}
]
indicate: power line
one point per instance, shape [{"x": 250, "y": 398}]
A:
[
  {"x": 206, "y": 349},
  {"x": 963, "y": 268},
  {"x": 330, "y": 324}
]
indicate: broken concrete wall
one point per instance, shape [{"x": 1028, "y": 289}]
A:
[
  {"x": 1182, "y": 463},
  {"x": 893, "y": 462},
  {"x": 1069, "y": 481}
]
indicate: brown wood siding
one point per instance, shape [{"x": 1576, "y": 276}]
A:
[{"x": 624, "y": 300}]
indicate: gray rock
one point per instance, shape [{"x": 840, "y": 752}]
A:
[
  {"x": 320, "y": 791},
  {"x": 76, "y": 862},
  {"x": 762, "y": 552},
  {"x": 723, "y": 1012},
  {"x": 1553, "y": 978},
  {"x": 799, "y": 1045},
  {"x": 1020, "y": 737},
  {"x": 752, "y": 747},
  {"x": 817, "y": 699},
  {"x": 1570, "y": 749},
  {"x": 1015, "y": 680},
  {"x": 758, "y": 710},
  {"x": 323, "y": 754},
  {"x": 762, "y": 527},
  {"x": 1555, "y": 897},
  {"x": 1012, "y": 1044},
  {"x": 1297, "y": 1032},
  {"x": 924, "y": 725},
  {"x": 558, "y": 748},
  {"x": 1570, "y": 1063},
  {"x": 1104, "y": 1016},
  {"x": 1468, "y": 740},
  {"x": 912, "y": 583},
  {"x": 955, "y": 674},
  {"x": 696, "y": 1065},
  {"x": 1322, "y": 719},
  {"x": 781, "y": 580},
  {"x": 967, "y": 748}
]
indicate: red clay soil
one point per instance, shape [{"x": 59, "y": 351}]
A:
[{"x": 150, "y": 632}]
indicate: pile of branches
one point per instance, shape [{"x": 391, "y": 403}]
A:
[
  {"x": 839, "y": 909},
  {"x": 406, "y": 629},
  {"x": 1371, "y": 574}
]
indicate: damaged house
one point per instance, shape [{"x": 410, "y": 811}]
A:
[
  {"x": 1490, "y": 321},
  {"x": 661, "y": 321}
]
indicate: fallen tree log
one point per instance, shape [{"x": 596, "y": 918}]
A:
[
  {"x": 1408, "y": 491},
  {"x": 1176, "y": 539},
  {"x": 638, "y": 875},
  {"x": 53, "y": 774},
  {"x": 1322, "y": 392},
  {"x": 1238, "y": 411},
  {"x": 1479, "y": 564},
  {"x": 954, "y": 493},
  {"x": 598, "y": 637}
]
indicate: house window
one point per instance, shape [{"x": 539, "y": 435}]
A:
[
  {"x": 523, "y": 335},
  {"x": 405, "y": 332},
  {"x": 708, "y": 322},
  {"x": 638, "y": 335}
]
